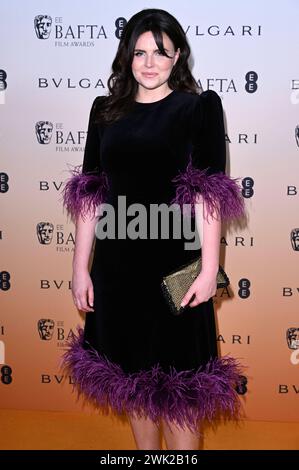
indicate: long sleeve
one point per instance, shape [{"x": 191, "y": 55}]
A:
[
  {"x": 87, "y": 187},
  {"x": 205, "y": 172}
]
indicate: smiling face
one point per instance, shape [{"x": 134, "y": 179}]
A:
[{"x": 151, "y": 69}]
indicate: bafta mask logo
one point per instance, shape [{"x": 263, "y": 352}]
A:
[
  {"x": 44, "y": 232},
  {"x": 42, "y": 26},
  {"x": 43, "y": 130},
  {"x": 297, "y": 135},
  {"x": 295, "y": 239},
  {"x": 45, "y": 328},
  {"x": 293, "y": 338}
]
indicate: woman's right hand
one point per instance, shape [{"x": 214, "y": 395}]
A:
[{"x": 82, "y": 290}]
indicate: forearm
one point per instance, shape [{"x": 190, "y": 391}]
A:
[
  {"x": 209, "y": 230},
  {"x": 84, "y": 237}
]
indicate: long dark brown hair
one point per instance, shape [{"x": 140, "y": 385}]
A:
[{"x": 122, "y": 84}]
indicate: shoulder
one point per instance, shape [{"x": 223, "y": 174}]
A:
[
  {"x": 209, "y": 100},
  {"x": 98, "y": 102},
  {"x": 207, "y": 95},
  {"x": 210, "y": 95},
  {"x": 96, "y": 107},
  {"x": 203, "y": 102},
  {"x": 208, "y": 105}
]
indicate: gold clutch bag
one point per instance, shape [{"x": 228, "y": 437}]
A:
[{"x": 177, "y": 283}]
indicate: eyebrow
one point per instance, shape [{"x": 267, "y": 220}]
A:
[{"x": 141, "y": 50}]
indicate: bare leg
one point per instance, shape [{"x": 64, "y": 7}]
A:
[
  {"x": 180, "y": 439},
  {"x": 146, "y": 433}
]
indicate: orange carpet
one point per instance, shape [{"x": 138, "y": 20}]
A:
[{"x": 74, "y": 430}]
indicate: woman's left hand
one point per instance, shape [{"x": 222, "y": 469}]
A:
[{"x": 204, "y": 287}]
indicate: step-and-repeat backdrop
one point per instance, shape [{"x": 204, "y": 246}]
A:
[{"x": 55, "y": 59}]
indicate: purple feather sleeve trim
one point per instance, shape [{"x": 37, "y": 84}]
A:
[
  {"x": 221, "y": 193},
  {"x": 84, "y": 192},
  {"x": 183, "y": 398}
]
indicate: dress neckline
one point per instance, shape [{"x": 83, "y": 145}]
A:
[{"x": 138, "y": 103}]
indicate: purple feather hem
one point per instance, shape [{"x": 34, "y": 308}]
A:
[
  {"x": 221, "y": 194},
  {"x": 183, "y": 398},
  {"x": 84, "y": 192}
]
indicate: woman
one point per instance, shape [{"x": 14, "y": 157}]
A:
[{"x": 153, "y": 140}]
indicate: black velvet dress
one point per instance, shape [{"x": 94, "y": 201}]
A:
[{"x": 134, "y": 355}]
